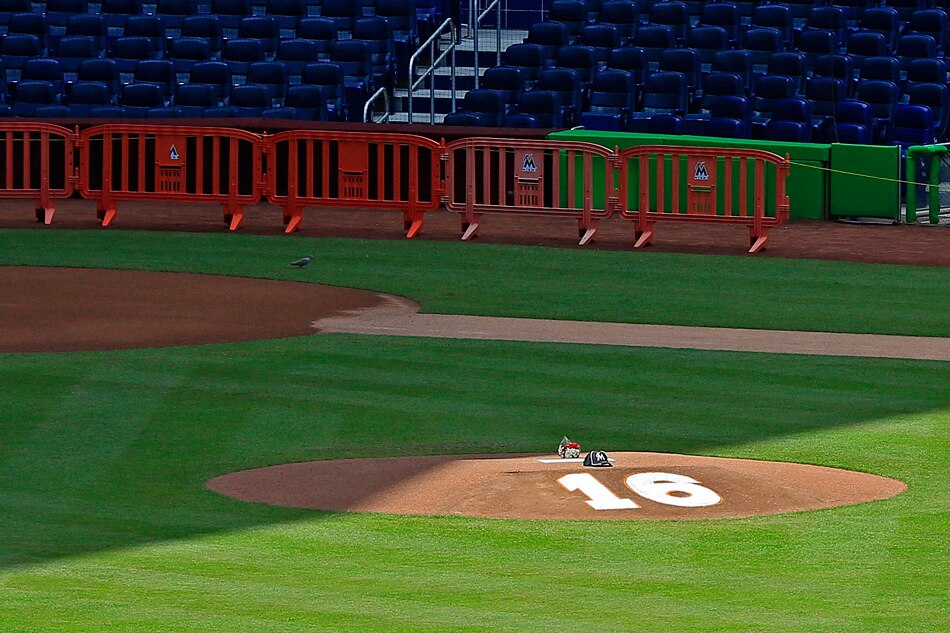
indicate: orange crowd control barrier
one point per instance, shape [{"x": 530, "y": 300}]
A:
[
  {"x": 703, "y": 184},
  {"x": 542, "y": 178},
  {"x": 353, "y": 170},
  {"x": 186, "y": 164},
  {"x": 37, "y": 163}
]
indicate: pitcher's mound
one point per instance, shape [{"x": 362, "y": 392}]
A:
[{"x": 637, "y": 486}]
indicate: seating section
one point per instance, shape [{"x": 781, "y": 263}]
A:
[
  {"x": 798, "y": 70},
  {"x": 298, "y": 59}
]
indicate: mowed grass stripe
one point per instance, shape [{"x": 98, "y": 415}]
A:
[{"x": 497, "y": 280}]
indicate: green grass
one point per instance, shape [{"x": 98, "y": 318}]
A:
[
  {"x": 105, "y": 526},
  {"x": 485, "y": 279}
]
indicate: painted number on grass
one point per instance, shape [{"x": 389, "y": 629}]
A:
[{"x": 665, "y": 488}]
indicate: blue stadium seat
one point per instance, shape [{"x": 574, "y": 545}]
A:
[
  {"x": 665, "y": 124},
  {"x": 506, "y": 80},
  {"x": 136, "y": 99},
  {"x": 377, "y": 34},
  {"x": 632, "y": 60},
  {"x": 733, "y": 107},
  {"x": 543, "y": 106},
  {"x": 883, "y": 20},
  {"x": 462, "y": 119},
  {"x": 925, "y": 71},
  {"x": 664, "y": 92},
  {"x": 936, "y": 97},
  {"x": 824, "y": 93},
  {"x": 653, "y": 39},
  {"x": 724, "y": 15},
  {"x": 51, "y": 112},
  {"x": 799, "y": 10},
  {"x": 766, "y": 92},
  {"x": 8, "y": 8},
  {"x": 262, "y": 28},
  {"x": 738, "y": 62},
  {"x": 229, "y": 14},
  {"x": 882, "y": 69},
  {"x": 401, "y": 15},
  {"x": 296, "y": 54},
  {"x": 220, "y": 112},
  {"x": 913, "y": 125},
  {"x": 73, "y": 50},
  {"x": 166, "y": 112},
  {"x": 674, "y": 15},
  {"x": 160, "y": 72},
  {"x": 715, "y": 85},
  {"x": 582, "y": 59},
  {"x": 854, "y": 10},
  {"x": 906, "y": 8},
  {"x": 816, "y": 42},
  {"x": 271, "y": 75},
  {"x": 328, "y": 76},
  {"x": 308, "y": 102},
  {"x": 194, "y": 99},
  {"x": 30, "y": 24},
  {"x": 104, "y": 71},
  {"x": 185, "y": 52},
  {"x": 774, "y": 16},
  {"x": 932, "y": 22},
  {"x": 149, "y": 27},
  {"x": 570, "y": 13},
  {"x": 707, "y": 41},
  {"x": 529, "y": 59},
  {"x": 287, "y": 14},
  {"x": 550, "y": 36},
  {"x": 882, "y": 96},
  {"x": 565, "y": 83},
  {"x": 852, "y": 123},
  {"x": 214, "y": 74},
  {"x": 602, "y": 39},
  {"x": 682, "y": 60},
  {"x": 864, "y": 45},
  {"x": 791, "y": 121},
  {"x": 44, "y": 69},
  {"x": 88, "y": 25},
  {"x": 911, "y": 47},
  {"x": 250, "y": 100},
  {"x": 344, "y": 14},
  {"x": 58, "y": 13},
  {"x": 15, "y": 50},
  {"x": 115, "y": 13},
  {"x": 839, "y": 66},
  {"x": 488, "y": 105},
  {"x": 207, "y": 27},
  {"x": 353, "y": 56},
  {"x": 239, "y": 54},
  {"x": 172, "y": 14},
  {"x": 762, "y": 43},
  {"x": 623, "y": 15},
  {"x": 107, "y": 112},
  {"x": 322, "y": 32},
  {"x": 832, "y": 19},
  {"x": 613, "y": 98},
  {"x": 85, "y": 95}
]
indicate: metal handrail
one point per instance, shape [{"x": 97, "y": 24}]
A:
[
  {"x": 369, "y": 102},
  {"x": 496, "y": 4},
  {"x": 449, "y": 26}
]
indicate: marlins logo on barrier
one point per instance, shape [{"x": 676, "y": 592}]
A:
[
  {"x": 700, "y": 172},
  {"x": 528, "y": 165}
]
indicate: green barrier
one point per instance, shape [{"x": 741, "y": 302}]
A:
[
  {"x": 934, "y": 152},
  {"x": 807, "y": 188},
  {"x": 865, "y": 181}
]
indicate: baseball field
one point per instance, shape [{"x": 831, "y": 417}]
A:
[{"x": 107, "y": 523}]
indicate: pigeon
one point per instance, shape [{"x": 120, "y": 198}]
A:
[{"x": 300, "y": 263}]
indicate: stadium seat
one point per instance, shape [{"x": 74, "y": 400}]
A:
[
  {"x": 673, "y": 14},
  {"x": 762, "y": 43},
  {"x": 207, "y": 27},
  {"x": 623, "y": 15},
  {"x": 926, "y": 70},
  {"x": 137, "y": 98},
  {"x": 217, "y": 75},
  {"x": 377, "y": 34},
  {"x": 852, "y": 123},
  {"x": 882, "y": 96},
  {"x": 73, "y": 50},
  {"x": 308, "y": 102},
  {"x": 172, "y": 14},
  {"x": 529, "y": 59},
  {"x": 824, "y": 93},
  {"x": 262, "y": 28},
  {"x": 506, "y": 80},
  {"x": 737, "y": 62},
  {"x": 766, "y": 92},
  {"x": 44, "y": 69},
  {"x": 488, "y": 105},
  {"x": 612, "y": 100},
  {"x": 295, "y": 55},
  {"x": 791, "y": 121},
  {"x": 160, "y": 72},
  {"x": 581, "y": 59},
  {"x": 602, "y": 39},
  {"x": 936, "y": 97},
  {"x": 883, "y": 20},
  {"x": 401, "y": 15},
  {"x": 774, "y": 16},
  {"x": 571, "y": 13},
  {"x": 250, "y": 100},
  {"x": 271, "y": 75},
  {"x": 85, "y": 95},
  {"x": 322, "y": 32},
  {"x": 30, "y": 95},
  {"x": 462, "y": 119},
  {"x": 551, "y": 37},
  {"x": 913, "y": 125},
  {"x": 229, "y": 14},
  {"x": 30, "y": 24},
  {"x": 287, "y": 13},
  {"x": 911, "y": 47},
  {"x": 239, "y": 54},
  {"x": 84, "y": 24},
  {"x": 665, "y": 124},
  {"x": 829, "y": 18},
  {"x": 565, "y": 83},
  {"x": 344, "y": 14},
  {"x": 104, "y": 71},
  {"x": 653, "y": 39},
  {"x": 839, "y": 66},
  {"x": 149, "y": 27},
  {"x": 185, "y": 52},
  {"x": 906, "y": 8},
  {"x": 716, "y": 85},
  {"x": 932, "y": 22},
  {"x": 882, "y": 69},
  {"x": 706, "y": 41},
  {"x": 194, "y": 99},
  {"x": 790, "y": 64},
  {"x": 329, "y": 77},
  {"x": 15, "y": 50},
  {"x": 543, "y": 106},
  {"x": 115, "y": 13},
  {"x": 632, "y": 60},
  {"x": 864, "y": 45},
  {"x": 815, "y": 43},
  {"x": 664, "y": 93},
  {"x": 725, "y": 15}
]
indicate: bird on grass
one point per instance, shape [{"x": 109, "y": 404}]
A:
[{"x": 300, "y": 263}]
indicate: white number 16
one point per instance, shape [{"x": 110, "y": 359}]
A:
[{"x": 666, "y": 488}]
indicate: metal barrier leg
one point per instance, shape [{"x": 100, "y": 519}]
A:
[
  {"x": 412, "y": 223},
  {"x": 292, "y": 218},
  {"x": 643, "y": 233},
  {"x": 586, "y": 230},
  {"x": 758, "y": 239},
  {"x": 45, "y": 213},
  {"x": 233, "y": 216},
  {"x": 470, "y": 229}
]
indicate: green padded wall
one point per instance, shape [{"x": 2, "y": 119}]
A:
[{"x": 876, "y": 193}]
